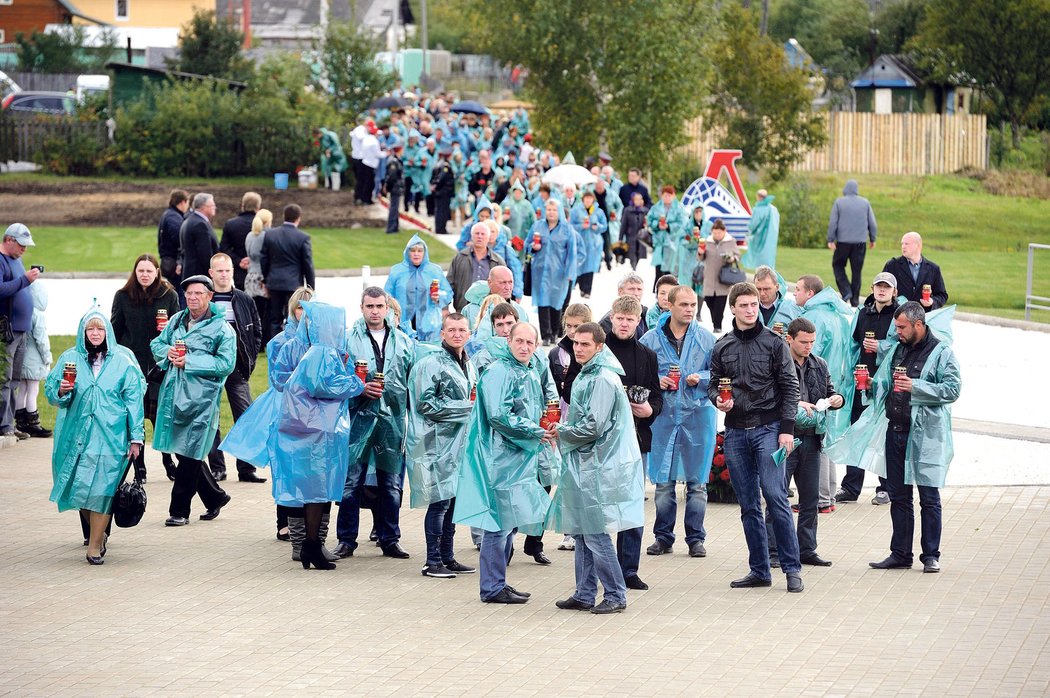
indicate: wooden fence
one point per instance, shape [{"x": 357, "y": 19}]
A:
[
  {"x": 24, "y": 139},
  {"x": 865, "y": 143}
]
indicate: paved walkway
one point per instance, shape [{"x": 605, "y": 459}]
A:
[{"x": 218, "y": 608}]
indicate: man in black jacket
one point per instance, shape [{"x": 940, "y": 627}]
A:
[
  {"x": 760, "y": 416},
  {"x": 814, "y": 385},
  {"x": 287, "y": 263},
  {"x": 630, "y": 285},
  {"x": 168, "y": 238},
  {"x": 234, "y": 233},
  {"x": 913, "y": 271},
  {"x": 197, "y": 241},
  {"x": 394, "y": 185},
  {"x": 639, "y": 372},
  {"x": 442, "y": 186},
  {"x": 244, "y": 319}
]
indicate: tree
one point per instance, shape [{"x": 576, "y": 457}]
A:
[
  {"x": 897, "y": 22},
  {"x": 209, "y": 46},
  {"x": 1000, "y": 44},
  {"x": 759, "y": 101},
  {"x": 350, "y": 72},
  {"x": 620, "y": 74},
  {"x": 66, "y": 50}
]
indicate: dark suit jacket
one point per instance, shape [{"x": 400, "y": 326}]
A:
[
  {"x": 287, "y": 259},
  {"x": 197, "y": 244},
  {"x": 232, "y": 243},
  {"x": 929, "y": 273}
]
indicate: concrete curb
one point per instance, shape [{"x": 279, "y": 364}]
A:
[{"x": 1004, "y": 322}]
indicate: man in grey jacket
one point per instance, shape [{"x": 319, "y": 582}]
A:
[{"x": 851, "y": 226}]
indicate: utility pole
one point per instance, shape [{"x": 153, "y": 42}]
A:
[
  {"x": 246, "y": 22},
  {"x": 423, "y": 19},
  {"x": 396, "y": 23}
]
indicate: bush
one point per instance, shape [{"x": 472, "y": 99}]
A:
[
  {"x": 1033, "y": 154},
  {"x": 80, "y": 155},
  {"x": 680, "y": 170},
  {"x": 802, "y": 224}
]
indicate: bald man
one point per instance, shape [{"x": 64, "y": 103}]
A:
[{"x": 913, "y": 271}]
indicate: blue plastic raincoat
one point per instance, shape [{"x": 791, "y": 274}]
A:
[
  {"x": 97, "y": 421},
  {"x": 439, "y": 411},
  {"x": 554, "y": 268},
  {"x": 188, "y": 402},
  {"x": 309, "y": 451},
  {"x": 763, "y": 233},
  {"x": 522, "y": 214},
  {"x": 410, "y": 286},
  {"x": 615, "y": 206},
  {"x": 464, "y": 234},
  {"x": 499, "y": 487},
  {"x": 687, "y": 248},
  {"x": 593, "y": 240},
  {"x": 666, "y": 247},
  {"x": 684, "y": 432},
  {"x": 930, "y": 447},
  {"x": 831, "y": 316},
  {"x": 377, "y": 431},
  {"x": 601, "y": 488}
]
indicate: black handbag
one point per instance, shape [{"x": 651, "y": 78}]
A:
[
  {"x": 698, "y": 276},
  {"x": 731, "y": 274},
  {"x": 129, "y": 504},
  {"x": 645, "y": 237}
]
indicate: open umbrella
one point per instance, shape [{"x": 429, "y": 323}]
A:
[
  {"x": 569, "y": 174},
  {"x": 389, "y": 103},
  {"x": 469, "y": 107}
]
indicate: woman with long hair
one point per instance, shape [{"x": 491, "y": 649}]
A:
[
  {"x": 253, "y": 280},
  {"x": 140, "y": 311}
]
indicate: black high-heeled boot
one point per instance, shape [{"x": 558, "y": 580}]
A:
[{"x": 311, "y": 555}]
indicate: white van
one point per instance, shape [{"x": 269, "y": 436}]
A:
[{"x": 88, "y": 85}]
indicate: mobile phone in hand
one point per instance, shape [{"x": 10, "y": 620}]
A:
[{"x": 38, "y": 267}]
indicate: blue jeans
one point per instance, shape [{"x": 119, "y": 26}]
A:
[
  {"x": 496, "y": 547},
  {"x": 386, "y": 512},
  {"x": 749, "y": 456},
  {"x": 667, "y": 512},
  {"x": 596, "y": 561},
  {"x": 902, "y": 507},
  {"x": 440, "y": 531},
  {"x": 629, "y": 550}
]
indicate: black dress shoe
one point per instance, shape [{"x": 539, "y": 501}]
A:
[
  {"x": 607, "y": 606},
  {"x": 573, "y": 604},
  {"x": 176, "y": 521},
  {"x": 459, "y": 567},
  {"x": 343, "y": 551},
  {"x": 212, "y": 514},
  {"x": 931, "y": 566},
  {"x": 749, "y": 582},
  {"x": 250, "y": 477},
  {"x": 795, "y": 584},
  {"x": 522, "y": 594},
  {"x": 505, "y": 595},
  {"x": 815, "y": 560},
  {"x": 541, "y": 559},
  {"x": 890, "y": 563},
  {"x": 395, "y": 550},
  {"x": 635, "y": 582},
  {"x": 219, "y": 475},
  {"x": 658, "y": 548}
]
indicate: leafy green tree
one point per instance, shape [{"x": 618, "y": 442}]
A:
[
  {"x": 897, "y": 22},
  {"x": 759, "y": 102},
  {"x": 620, "y": 74},
  {"x": 210, "y": 46},
  {"x": 66, "y": 50},
  {"x": 350, "y": 72},
  {"x": 1000, "y": 44}
]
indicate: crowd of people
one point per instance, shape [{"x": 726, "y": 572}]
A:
[{"x": 501, "y": 421}]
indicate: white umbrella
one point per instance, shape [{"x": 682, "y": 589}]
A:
[{"x": 569, "y": 174}]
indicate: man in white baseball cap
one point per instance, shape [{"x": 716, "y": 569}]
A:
[{"x": 16, "y": 316}]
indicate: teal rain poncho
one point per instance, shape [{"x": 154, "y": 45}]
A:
[
  {"x": 930, "y": 448},
  {"x": 830, "y": 315},
  {"x": 439, "y": 410},
  {"x": 684, "y": 432},
  {"x": 763, "y": 233},
  {"x": 688, "y": 246},
  {"x": 378, "y": 426},
  {"x": 786, "y": 309},
  {"x": 592, "y": 236},
  {"x": 521, "y": 214},
  {"x": 188, "y": 403},
  {"x": 332, "y": 157},
  {"x": 554, "y": 265},
  {"x": 97, "y": 421},
  {"x": 309, "y": 452},
  {"x": 410, "y": 286},
  {"x": 666, "y": 247},
  {"x": 499, "y": 488},
  {"x": 601, "y": 488}
]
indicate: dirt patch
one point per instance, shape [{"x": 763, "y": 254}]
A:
[{"x": 134, "y": 204}]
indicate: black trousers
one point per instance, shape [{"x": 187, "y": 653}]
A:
[
  {"x": 586, "y": 282},
  {"x": 804, "y": 465},
  {"x": 368, "y": 183},
  {"x": 359, "y": 177},
  {"x": 278, "y": 310},
  {"x": 192, "y": 477},
  {"x": 442, "y": 213},
  {"x": 239, "y": 394},
  {"x": 852, "y": 252},
  {"x": 716, "y": 305},
  {"x": 392, "y": 221},
  {"x": 262, "y": 305},
  {"x": 902, "y": 506},
  {"x": 550, "y": 322},
  {"x": 431, "y": 202}
]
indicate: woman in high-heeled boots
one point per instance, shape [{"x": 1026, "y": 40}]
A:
[
  {"x": 98, "y": 389},
  {"x": 310, "y": 444}
]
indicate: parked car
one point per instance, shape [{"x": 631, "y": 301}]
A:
[{"x": 29, "y": 103}]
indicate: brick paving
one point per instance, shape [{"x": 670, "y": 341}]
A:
[{"x": 219, "y": 608}]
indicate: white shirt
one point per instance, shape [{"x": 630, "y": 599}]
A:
[
  {"x": 371, "y": 153},
  {"x": 355, "y": 141}
]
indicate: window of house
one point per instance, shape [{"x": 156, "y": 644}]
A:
[{"x": 122, "y": 9}]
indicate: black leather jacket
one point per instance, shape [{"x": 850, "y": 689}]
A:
[{"x": 765, "y": 388}]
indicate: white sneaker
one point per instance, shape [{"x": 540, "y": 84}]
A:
[
  {"x": 568, "y": 543},
  {"x": 881, "y": 498}
]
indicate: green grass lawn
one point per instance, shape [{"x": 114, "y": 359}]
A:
[
  {"x": 59, "y": 343},
  {"x": 64, "y": 249}
]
